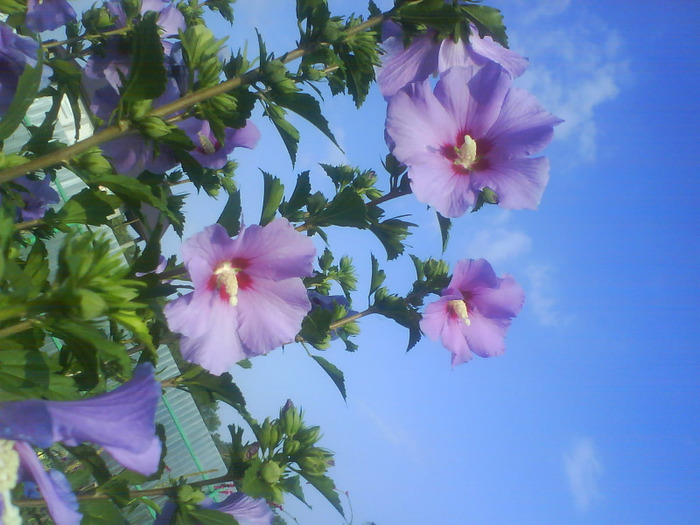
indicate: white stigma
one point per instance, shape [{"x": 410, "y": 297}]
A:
[
  {"x": 226, "y": 277},
  {"x": 207, "y": 145},
  {"x": 460, "y": 308},
  {"x": 466, "y": 154},
  {"x": 9, "y": 464}
]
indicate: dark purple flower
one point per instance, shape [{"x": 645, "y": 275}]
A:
[
  {"x": 170, "y": 19},
  {"x": 47, "y": 15},
  {"x": 426, "y": 56},
  {"x": 474, "y": 311},
  {"x": 248, "y": 296},
  {"x": 121, "y": 421},
  {"x": 37, "y": 196},
  {"x": 208, "y": 151},
  {"x": 474, "y": 131},
  {"x": 16, "y": 53},
  {"x": 244, "y": 509}
]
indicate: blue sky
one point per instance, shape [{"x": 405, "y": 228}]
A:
[{"x": 591, "y": 416}]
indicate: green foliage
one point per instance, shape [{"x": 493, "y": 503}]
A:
[
  {"x": 272, "y": 197},
  {"x": 335, "y": 373},
  {"x": 230, "y": 217},
  {"x": 147, "y": 75},
  {"x": 445, "y": 225}
]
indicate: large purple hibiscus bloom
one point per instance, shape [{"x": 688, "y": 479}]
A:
[
  {"x": 474, "y": 131},
  {"x": 474, "y": 311},
  {"x": 244, "y": 509},
  {"x": 47, "y": 15},
  {"x": 121, "y": 421},
  {"x": 248, "y": 296},
  {"x": 426, "y": 56},
  {"x": 16, "y": 53}
]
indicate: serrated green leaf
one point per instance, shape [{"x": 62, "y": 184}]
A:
[
  {"x": 89, "y": 206},
  {"x": 27, "y": 88},
  {"x": 102, "y": 512},
  {"x": 212, "y": 517},
  {"x": 292, "y": 485},
  {"x": 335, "y": 373},
  {"x": 230, "y": 217},
  {"x": 299, "y": 197},
  {"x": 147, "y": 77},
  {"x": 347, "y": 208},
  {"x": 326, "y": 487},
  {"x": 378, "y": 276},
  {"x": 272, "y": 197},
  {"x": 445, "y": 225},
  {"x": 27, "y": 374},
  {"x": 216, "y": 388},
  {"x": 490, "y": 19},
  {"x": 307, "y": 107},
  {"x": 289, "y": 134},
  {"x": 391, "y": 233}
]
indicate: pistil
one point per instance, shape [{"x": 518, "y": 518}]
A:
[
  {"x": 226, "y": 278},
  {"x": 460, "y": 310},
  {"x": 466, "y": 153}
]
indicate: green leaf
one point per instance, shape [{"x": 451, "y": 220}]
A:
[
  {"x": 89, "y": 206},
  {"x": 27, "y": 89},
  {"x": 335, "y": 373},
  {"x": 102, "y": 512},
  {"x": 347, "y": 208},
  {"x": 292, "y": 485},
  {"x": 391, "y": 233},
  {"x": 216, "y": 388},
  {"x": 289, "y": 134},
  {"x": 27, "y": 374},
  {"x": 490, "y": 19},
  {"x": 378, "y": 276},
  {"x": 230, "y": 217},
  {"x": 272, "y": 197},
  {"x": 308, "y": 107},
  {"x": 223, "y": 7},
  {"x": 299, "y": 197},
  {"x": 148, "y": 77},
  {"x": 326, "y": 487},
  {"x": 445, "y": 225}
]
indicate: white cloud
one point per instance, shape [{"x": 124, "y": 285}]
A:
[
  {"x": 583, "y": 470},
  {"x": 541, "y": 296},
  {"x": 393, "y": 432},
  {"x": 499, "y": 245},
  {"x": 577, "y": 64}
]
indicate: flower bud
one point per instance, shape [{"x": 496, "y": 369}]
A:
[
  {"x": 291, "y": 447},
  {"x": 153, "y": 127},
  {"x": 312, "y": 465},
  {"x": 92, "y": 161},
  {"x": 290, "y": 418},
  {"x": 269, "y": 434},
  {"x": 188, "y": 494},
  {"x": 308, "y": 436},
  {"x": 270, "y": 472}
]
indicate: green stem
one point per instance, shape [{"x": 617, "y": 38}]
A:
[
  {"x": 351, "y": 318},
  {"x": 124, "y": 127},
  {"x": 53, "y": 43},
  {"x": 28, "y": 225},
  {"x": 16, "y": 328}
]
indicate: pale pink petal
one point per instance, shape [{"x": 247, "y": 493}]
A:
[
  {"x": 473, "y": 273},
  {"x": 204, "y": 251},
  {"x": 276, "y": 251},
  {"x": 503, "y": 302},
  {"x": 270, "y": 313},
  {"x": 519, "y": 183},
  {"x": 523, "y": 127},
  {"x": 417, "y": 123},
  {"x": 473, "y": 98},
  {"x": 486, "y": 337}
]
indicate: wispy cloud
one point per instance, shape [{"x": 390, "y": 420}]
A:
[
  {"x": 583, "y": 470},
  {"x": 393, "y": 432},
  {"x": 577, "y": 65},
  {"x": 499, "y": 245},
  {"x": 541, "y": 296}
]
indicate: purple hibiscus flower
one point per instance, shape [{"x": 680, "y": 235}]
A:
[
  {"x": 121, "y": 421},
  {"x": 244, "y": 509},
  {"x": 16, "y": 53},
  {"x": 37, "y": 195},
  {"x": 170, "y": 19},
  {"x": 474, "y": 131},
  {"x": 47, "y": 15},
  {"x": 208, "y": 151},
  {"x": 248, "y": 296},
  {"x": 474, "y": 311},
  {"x": 426, "y": 56}
]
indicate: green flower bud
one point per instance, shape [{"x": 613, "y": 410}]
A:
[
  {"x": 312, "y": 466},
  {"x": 308, "y": 436},
  {"x": 271, "y": 472},
  {"x": 269, "y": 434},
  {"x": 290, "y": 418},
  {"x": 188, "y": 494},
  {"x": 153, "y": 127},
  {"x": 92, "y": 161},
  {"x": 291, "y": 447}
]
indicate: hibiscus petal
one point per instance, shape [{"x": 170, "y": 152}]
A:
[
  {"x": 486, "y": 337},
  {"x": 487, "y": 48},
  {"x": 519, "y": 183},
  {"x": 245, "y": 137},
  {"x": 204, "y": 251},
  {"x": 417, "y": 123},
  {"x": 524, "y": 127},
  {"x": 401, "y": 66},
  {"x": 473, "y": 273},
  {"x": 246, "y": 510},
  {"x": 452, "y": 54},
  {"x": 276, "y": 251},
  {"x": 54, "y": 487},
  {"x": 270, "y": 313},
  {"x": 503, "y": 302},
  {"x": 472, "y": 97}
]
